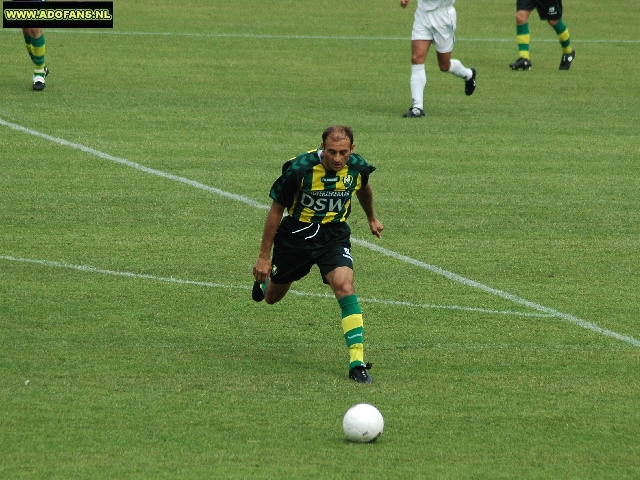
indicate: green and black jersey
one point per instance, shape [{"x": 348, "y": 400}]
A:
[{"x": 312, "y": 194}]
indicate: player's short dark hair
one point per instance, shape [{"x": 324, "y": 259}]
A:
[{"x": 338, "y": 131}]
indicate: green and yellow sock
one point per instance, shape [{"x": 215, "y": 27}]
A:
[
  {"x": 352, "y": 326},
  {"x": 524, "y": 38},
  {"x": 27, "y": 44},
  {"x": 37, "y": 52},
  {"x": 563, "y": 36}
]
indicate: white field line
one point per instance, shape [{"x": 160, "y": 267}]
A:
[
  {"x": 450, "y": 275},
  {"x": 89, "y": 269},
  {"x": 309, "y": 37},
  {"x": 137, "y": 166}
]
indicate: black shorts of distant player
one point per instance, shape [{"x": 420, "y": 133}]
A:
[{"x": 547, "y": 9}]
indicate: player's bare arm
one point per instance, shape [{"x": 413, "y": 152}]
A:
[
  {"x": 365, "y": 197},
  {"x": 262, "y": 267}
]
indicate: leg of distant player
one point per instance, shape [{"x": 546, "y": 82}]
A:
[
  {"x": 443, "y": 27},
  {"x": 568, "y": 53},
  {"x": 419, "y": 49},
  {"x": 26, "y": 32},
  {"x": 523, "y": 62},
  {"x": 522, "y": 33},
  {"x": 455, "y": 67},
  {"x": 35, "y": 44},
  {"x": 563, "y": 35}
]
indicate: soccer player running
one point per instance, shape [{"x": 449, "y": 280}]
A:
[
  {"x": 316, "y": 188},
  {"x": 551, "y": 11},
  {"x": 434, "y": 22},
  {"x": 34, "y": 41}
]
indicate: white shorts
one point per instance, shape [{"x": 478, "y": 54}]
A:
[{"x": 438, "y": 25}]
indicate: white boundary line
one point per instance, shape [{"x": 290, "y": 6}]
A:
[
  {"x": 89, "y": 269},
  {"x": 135, "y": 165},
  {"x": 311, "y": 37},
  {"x": 450, "y": 275}
]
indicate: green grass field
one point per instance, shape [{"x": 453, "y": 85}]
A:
[{"x": 501, "y": 305}]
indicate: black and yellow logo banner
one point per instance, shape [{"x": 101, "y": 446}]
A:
[{"x": 57, "y": 14}]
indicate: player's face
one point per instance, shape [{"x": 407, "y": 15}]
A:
[{"x": 335, "y": 153}]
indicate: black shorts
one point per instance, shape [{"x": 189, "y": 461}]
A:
[
  {"x": 298, "y": 246},
  {"x": 547, "y": 9}
]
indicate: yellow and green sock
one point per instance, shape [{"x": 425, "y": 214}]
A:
[
  {"x": 27, "y": 44},
  {"x": 36, "y": 48},
  {"x": 563, "y": 36},
  {"x": 524, "y": 38},
  {"x": 352, "y": 326}
]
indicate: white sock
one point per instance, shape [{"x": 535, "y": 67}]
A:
[
  {"x": 460, "y": 70},
  {"x": 418, "y": 82}
]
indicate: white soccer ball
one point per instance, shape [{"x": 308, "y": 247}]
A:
[{"x": 363, "y": 423}]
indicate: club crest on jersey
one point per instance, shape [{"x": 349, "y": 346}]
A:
[{"x": 347, "y": 181}]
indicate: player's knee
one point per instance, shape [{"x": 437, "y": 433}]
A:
[
  {"x": 522, "y": 16},
  {"x": 444, "y": 63},
  {"x": 344, "y": 290},
  {"x": 271, "y": 299}
]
